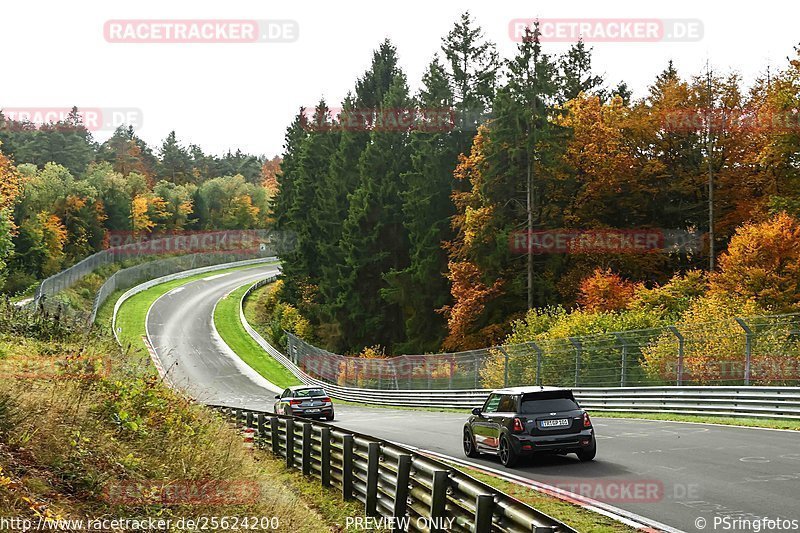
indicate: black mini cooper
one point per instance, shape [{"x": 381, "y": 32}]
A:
[{"x": 522, "y": 421}]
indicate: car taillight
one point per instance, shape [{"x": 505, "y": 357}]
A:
[
  {"x": 326, "y": 399},
  {"x": 587, "y": 423},
  {"x": 295, "y": 402},
  {"x": 518, "y": 425}
]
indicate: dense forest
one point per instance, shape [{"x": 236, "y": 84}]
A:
[
  {"x": 403, "y": 226},
  {"x": 63, "y": 192}
]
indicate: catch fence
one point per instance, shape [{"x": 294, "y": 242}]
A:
[{"x": 763, "y": 350}]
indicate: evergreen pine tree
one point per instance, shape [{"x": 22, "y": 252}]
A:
[
  {"x": 421, "y": 288},
  {"x": 374, "y": 239}
]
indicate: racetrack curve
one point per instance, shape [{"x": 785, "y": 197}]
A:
[{"x": 671, "y": 472}]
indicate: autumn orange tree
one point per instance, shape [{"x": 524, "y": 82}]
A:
[
  {"x": 269, "y": 174},
  {"x": 606, "y": 291},
  {"x": 467, "y": 324},
  {"x": 762, "y": 263},
  {"x": 9, "y": 189}
]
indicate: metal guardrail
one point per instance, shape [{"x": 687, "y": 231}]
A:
[
  {"x": 178, "y": 243},
  {"x": 418, "y": 493},
  {"x": 753, "y": 402}
]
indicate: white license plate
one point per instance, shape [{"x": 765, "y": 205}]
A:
[
  {"x": 555, "y": 423},
  {"x": 312, "y": 411}
]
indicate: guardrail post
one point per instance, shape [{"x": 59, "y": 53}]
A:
[
  {"x": 484, "y": 511},
  {"x": 373, "y": 462},
  {"x": 748, "y": 348},
  {"x": 260, "y": 423},
  {"x": 325, "y": 457},
  {"x": 307, "y": 449},
  {"x": 624, "y": 365},
  {"x": 401, "y": 490},
  {"x": 452, "y": 370},
  {"x": 427, "y": 371},
  {"x": 248, "y": 419},
  {"x": 679, "y": 336},
  {"x": 578, "y": 350},
  {"x": 505, "y": 365},
  {"x": 275, "y": 428},
  {"x": 290, "y": 443},
  {"x": 539, "y": 354},
  {"x": 347, "y": 467},
  {"x": 441, "y": 481}
]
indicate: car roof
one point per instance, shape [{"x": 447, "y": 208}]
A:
[
  {"x": 529, "y": 389},
  {"x": 303, "y": 387}
]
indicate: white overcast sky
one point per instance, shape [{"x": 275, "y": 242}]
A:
[{"x": 227, "y": 96}]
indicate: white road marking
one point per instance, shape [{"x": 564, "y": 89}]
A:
[{"x": 211, "y": 278}]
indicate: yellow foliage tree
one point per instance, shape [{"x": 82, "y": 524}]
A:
[
  {"x": 10, "y": 181},
  {"x": 763, "y": 263}
]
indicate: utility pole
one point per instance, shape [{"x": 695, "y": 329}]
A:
[
  {"x": 709, "y": 149},
  {"x": 530, "y": 234},
  {"x": 530, "y": 182}
]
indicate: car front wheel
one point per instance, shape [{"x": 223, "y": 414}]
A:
[
  {"x": 469, "y": 445},
  {"x": 506, "y": 452}
]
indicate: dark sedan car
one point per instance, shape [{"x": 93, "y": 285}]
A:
[
  {"x": 522, "y": 421},
  {"x": 305, "y": 401}
]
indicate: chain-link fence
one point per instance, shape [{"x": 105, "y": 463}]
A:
[
  {"x": 69, "y": 277},
  {"x": 761, "y": 350},
  {"x": 247, "y": 243}
]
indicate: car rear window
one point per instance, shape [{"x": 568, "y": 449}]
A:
[
  {"x": 533, "y": 405},
  {"x": 309, "y": 393}
]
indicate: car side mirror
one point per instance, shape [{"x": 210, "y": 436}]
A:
[
  {"x": 476, "y": 411},
  {"x": 278, "y": 397}
]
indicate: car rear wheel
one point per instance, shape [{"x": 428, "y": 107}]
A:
[
  {"x": 506, "y": 452},
  {"x": 329, "y": 417},
  {"x": 588, "y": 453},
  {"x": 469, "y": 445}
]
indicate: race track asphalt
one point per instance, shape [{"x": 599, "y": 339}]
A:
[{"x": 671, "y": 472}]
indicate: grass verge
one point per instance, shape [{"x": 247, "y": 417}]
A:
[
  {"x": 230, "y": 328},
  {"x": 88, "y": 431},
  {"x": 573, "y": 515},
  {"x": 701, "y": 419},
  {"x": 133, "y": 313}
]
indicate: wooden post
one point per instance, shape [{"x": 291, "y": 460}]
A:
[
  {"x": 290, "y": 443},
  {"x": 325, "y": 460},
  {"x": 441, "y": 480},
  {"x": 401, "y": 490},
  {"x": 347, "y": 467},
  {"x": 275, "y": 428},
  {"x": 484, "y": 510},
  {"x": 373, "y": 462},
  {"x": 307, "y": 449}
]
